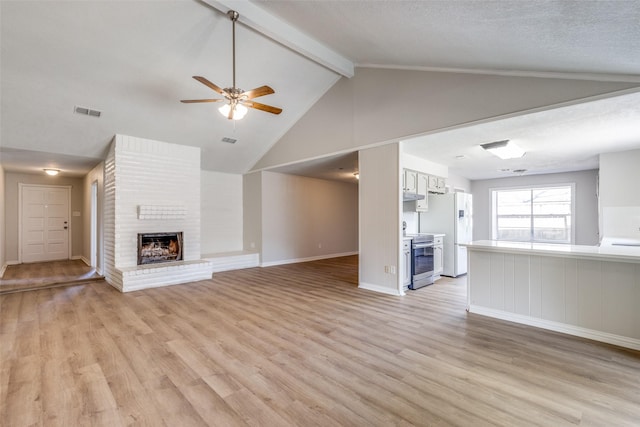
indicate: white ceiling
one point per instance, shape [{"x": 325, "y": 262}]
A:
[
  {"x": 133, "y": 60},
  {"x": 600, "y": 37}
]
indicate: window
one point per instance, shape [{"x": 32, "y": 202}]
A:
[{"x": 540, "y": 214}]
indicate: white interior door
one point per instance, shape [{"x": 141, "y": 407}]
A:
[{"x": 44, "y": 223}]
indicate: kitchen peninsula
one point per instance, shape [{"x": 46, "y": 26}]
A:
[{"x": 587, "y": 291}]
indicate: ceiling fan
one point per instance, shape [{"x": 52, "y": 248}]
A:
[{"x": 237, "y": 99}]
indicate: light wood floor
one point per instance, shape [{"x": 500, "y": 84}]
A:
[
  {"x": 296, "y": 345},
  {"x": 22, "y": 277}
]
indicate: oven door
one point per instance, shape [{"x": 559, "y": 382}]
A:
[{"x": 421, "y": 265}]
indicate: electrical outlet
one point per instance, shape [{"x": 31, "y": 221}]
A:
[
  {"x": 253, "y": 245},
  {"x": 386, "y": 268},
  {"x": 392, "y": 269},
  {"x": 319, "y": 245}
]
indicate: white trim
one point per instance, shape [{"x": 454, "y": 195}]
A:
[
  {"x": 14, "y": 262},
  {"x": 76, "y": 257},
  {"x": 286, "y": 34},
  {"x": 313, "y": 258},
  {"x": 600, "y": 77},
  {"x": 578, "y": 331},
  {"x": 86, "y": 261},
  {"x": 380, "y": 289},
  {"x": 2, "y": 270}
]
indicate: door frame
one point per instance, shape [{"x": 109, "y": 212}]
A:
[
  {"x": 93, "y": 225},
  {"x": 21, "y": 187}
]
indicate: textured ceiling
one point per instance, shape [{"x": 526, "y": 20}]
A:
[
  {"x": 133, "y": 60},
  {"x": 509, "y": 35}
]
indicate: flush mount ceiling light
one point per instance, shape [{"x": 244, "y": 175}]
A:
[
  {"x": 52, "y": 172},
  {"x": 237, "y": 99},
  {"x": 504, "y": 149}
]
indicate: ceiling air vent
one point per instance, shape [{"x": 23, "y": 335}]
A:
[
  {"x": 229, "y": 140},
  {"x": 87, "y": 111}
]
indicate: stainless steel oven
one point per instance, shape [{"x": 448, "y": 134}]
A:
[{"x": 421, "y": 261}]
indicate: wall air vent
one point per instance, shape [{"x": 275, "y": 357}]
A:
[
  {"x": 229, "y": 140},
  {"x": 87, "y": 111}
]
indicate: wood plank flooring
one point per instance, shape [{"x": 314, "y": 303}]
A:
[
  {"x": 296, "y": 345},
  {"x": 23, "y": 277}
]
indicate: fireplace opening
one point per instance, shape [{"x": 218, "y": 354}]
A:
[{"x": 159, "y": 247}]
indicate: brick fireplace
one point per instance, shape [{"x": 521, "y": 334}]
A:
[{"x": 151, "y": 189}]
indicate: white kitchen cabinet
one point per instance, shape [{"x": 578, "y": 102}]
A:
[
  {"x": 437, "y": 184},
  {"x": 410, "y": 181},
  {"x": 406, "y": 267},
  {"x": 422, "y": 205},
  {"x": 438, "y": 258}
]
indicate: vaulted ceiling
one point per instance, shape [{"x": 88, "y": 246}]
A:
[{"x": 134, "y": 61}]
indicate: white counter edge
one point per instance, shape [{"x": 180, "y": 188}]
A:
[
  {"x": 558, "y": 327},
  {"x": 622, "y": 254}
]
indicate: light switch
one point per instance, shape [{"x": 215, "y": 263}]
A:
[{"x": 76, "y": 213}]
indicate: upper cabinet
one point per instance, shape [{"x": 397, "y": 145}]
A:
[
  {"x": 415, "y": 186},
  {"x": 422, "y": 205},
  {"x": 410, "y": 181},
  {"x": 436, "y": 184}
]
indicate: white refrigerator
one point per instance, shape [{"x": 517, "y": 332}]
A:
[{"x": 451, "y": 214}]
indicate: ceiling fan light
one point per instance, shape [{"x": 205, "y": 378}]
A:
[{"x": 239, "y": 112}]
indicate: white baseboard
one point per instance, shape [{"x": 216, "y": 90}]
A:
[
  {"x": 565, "y": 328},
  {"x": 86, "y": 261},
  {"x": 13, "y": 262},
  {"x": 380, "y": 289},
  {"x": 75, "y": 257},
  {"x": 2, "y": 270},
  {"x": 313, "y": 258}
]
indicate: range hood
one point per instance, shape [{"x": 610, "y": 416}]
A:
[{"x": 409, "y": 197}]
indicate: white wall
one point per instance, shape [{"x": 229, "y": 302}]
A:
[
  {"x": 457, "y": 183},
  {"x": 381, "y": 105},
  {"x": 95, "y": 175},
  {"x": 306, "y": 218},
  {"x": 252, "y": 211},
  {"x": 619, "y": 194},
  {"x": 221, "y": 216},
  {"x": 12, "y": 179},
  {"x": 419, "y": 164},
  {"x": 586, "y": 201},
  {"x": 380, "y": 224},
  {"x": 3, "y": 264}
]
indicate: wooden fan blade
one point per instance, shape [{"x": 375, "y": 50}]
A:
[
  {"x": 259, "y": 91},
  {"x": 263, "y": 107},
  {"x": 191, "y": 101},
  {"x": 209, "y": 84}
]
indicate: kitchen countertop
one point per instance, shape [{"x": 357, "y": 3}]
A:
[
  {"x": 436, "y": 234},
  {"x": 620, "y": 253}
]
